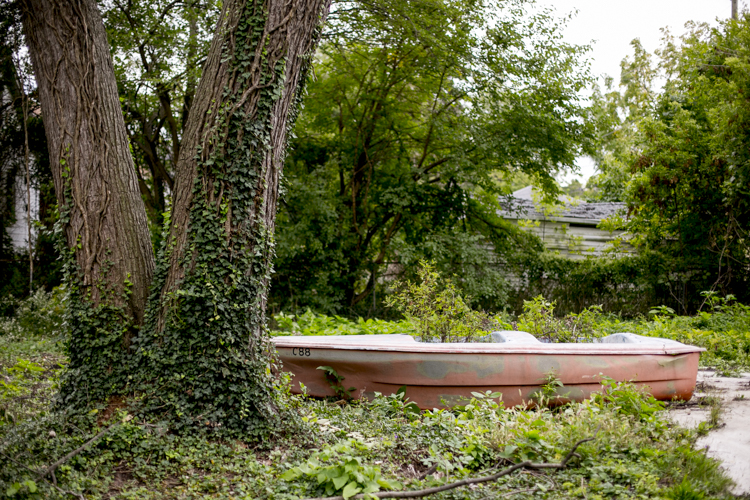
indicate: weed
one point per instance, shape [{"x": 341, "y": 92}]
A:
[
  {"x": 538, "y": 318},
  {"x": 368, "y": 446},
  {"x": 628, "y": 399},
  {"x": 436, "y": 308},
  {"x": 685, "y": 491},
  {"x": 715, "y": 409},
  {"x": 309, "y": 323},
  {"x": 339, "y": 469},
  {"x": 335, "y": 381}
]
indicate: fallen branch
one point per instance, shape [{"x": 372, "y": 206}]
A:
[
  {"x": 51, "y": 469},
  {"x": 465, "y": 482}
]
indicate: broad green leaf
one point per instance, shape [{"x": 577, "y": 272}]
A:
[{"x": 351, "y": 489}]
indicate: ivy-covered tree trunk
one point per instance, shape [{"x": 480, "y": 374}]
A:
[
  {"x": 206, "y": 349},
  {"x": 102, "y": 215}
]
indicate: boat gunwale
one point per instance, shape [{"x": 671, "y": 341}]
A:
[{"x": 667, "y": 348}]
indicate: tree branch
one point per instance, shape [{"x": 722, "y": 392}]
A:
[{"x": 51, "y": 468}]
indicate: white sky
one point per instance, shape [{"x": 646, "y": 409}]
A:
[{"x": 612, "y": 24}]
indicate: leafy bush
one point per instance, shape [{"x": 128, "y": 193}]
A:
[
  {"x": 538, "y": 318},
  {"x": 436, "y": 308},
  {"x": 338, "y": 470},
  {"x": 628, "y": 286},
  {"x": 627, "y": 399},
  {"x": 40, "y": 314},
  {"x": 18, "y": 384}
]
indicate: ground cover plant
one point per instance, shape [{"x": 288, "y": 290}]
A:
[
  {"x": 384, "y": 445},
  {"x": 310, "y": 323}
]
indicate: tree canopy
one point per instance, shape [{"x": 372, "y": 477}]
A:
[
  {"x": 418, "y": 115},
  {"x": 680, "y": 157}
]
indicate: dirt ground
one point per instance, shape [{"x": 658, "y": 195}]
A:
[{"x": 730, "y": 441}]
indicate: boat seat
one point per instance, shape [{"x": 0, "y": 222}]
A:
[
  {"x": 632, "y": 338},
  {"x": 514, "y": 337}
]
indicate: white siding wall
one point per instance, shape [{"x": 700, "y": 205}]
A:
[
  {"x": 19, "y": 230},
  {"x": 572, "y": 240}
]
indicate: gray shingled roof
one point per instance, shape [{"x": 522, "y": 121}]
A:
[{"x": 521, "y": 206}]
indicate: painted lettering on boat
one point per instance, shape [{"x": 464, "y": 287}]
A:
[{"x": 300, "y": 351}]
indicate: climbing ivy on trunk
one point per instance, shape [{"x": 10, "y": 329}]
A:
[
  {"x": 201, "y": 356},
  {"x": 205, "y": 332}
]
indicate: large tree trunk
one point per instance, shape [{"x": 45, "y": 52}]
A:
[
  {"x": 206, "y": 327},
  {"x": 101, "y": 211}
]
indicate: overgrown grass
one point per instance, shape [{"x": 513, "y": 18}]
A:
[
  {"x": 385, "y": 443},
  {"x": 30, "y": 354}
]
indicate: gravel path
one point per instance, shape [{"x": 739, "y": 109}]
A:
[{"x": 730, "y": 442}]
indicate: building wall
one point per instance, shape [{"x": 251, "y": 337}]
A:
[
  {"x": 573, "y": 240},
  {"x": 18, "y": 232}
]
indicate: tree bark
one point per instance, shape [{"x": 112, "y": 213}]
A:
[
  {"x": 289, "y": 34},
  {"x": 208, "y": 313},
  {"x": 201, "y": 356},
  {"x": 93, "y": 171},
  {"x": 101, "y": 210}
]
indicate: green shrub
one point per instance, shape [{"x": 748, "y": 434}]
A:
[
  {"x": 538, "y": 318},
  {"x": 338, "y": 469},
  {"x": 436, "y": 308},
  {"x": 629, "y": 285}
]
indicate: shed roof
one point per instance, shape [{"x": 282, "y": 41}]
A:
[{"x": 521, "y": 206}]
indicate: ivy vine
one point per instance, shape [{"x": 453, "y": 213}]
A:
[
  {"x": 97, "y": 338},
  {"x": 202, "y": 358},
  {"x": 211, "y": 362}
]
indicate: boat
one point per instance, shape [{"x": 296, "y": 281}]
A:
[{"x": 516, "y": 364}]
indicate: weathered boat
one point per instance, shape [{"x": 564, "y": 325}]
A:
[{"x": 517, "y": 365}]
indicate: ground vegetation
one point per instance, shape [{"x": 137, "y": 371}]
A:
[{"x": 384, "y": 445}]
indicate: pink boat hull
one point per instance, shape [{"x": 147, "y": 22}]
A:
[{"x": 440, "y": 375}]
